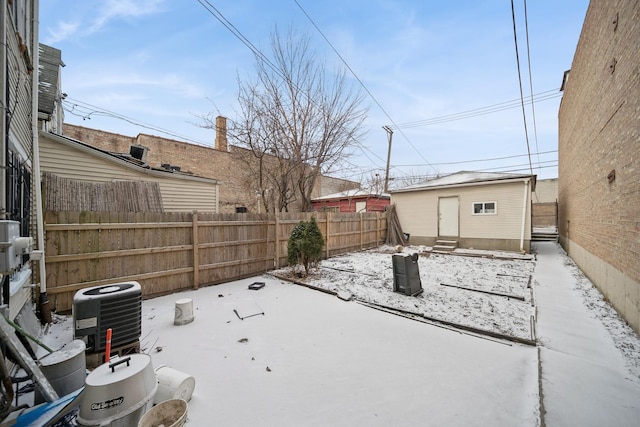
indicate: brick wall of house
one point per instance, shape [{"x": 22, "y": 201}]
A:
[
  {"x": 599, "y": 153},
  {"x": 209, "y": 162}
]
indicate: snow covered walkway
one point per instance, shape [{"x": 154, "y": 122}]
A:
[{"x": 586, "y": 380}]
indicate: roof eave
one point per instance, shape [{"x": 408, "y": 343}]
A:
[{"x": 467, "y": 184}]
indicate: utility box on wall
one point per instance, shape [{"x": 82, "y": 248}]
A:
[
  {"x": 406, "y": 274},
  {"x": 13, "y": 247}
]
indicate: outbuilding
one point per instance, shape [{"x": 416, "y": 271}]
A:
[
  {"x": 356, "y": 200},
  {"x": 480, "y": 210}
]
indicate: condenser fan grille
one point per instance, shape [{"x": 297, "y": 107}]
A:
[
  {"x": 117, "y": 306},
  {"x": 123, "y": 317}
]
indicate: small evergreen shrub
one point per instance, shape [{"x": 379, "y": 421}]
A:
[{"x": 305, "y": 244}]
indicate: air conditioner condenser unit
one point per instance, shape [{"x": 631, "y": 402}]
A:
[{"x": 117, "y": 306}]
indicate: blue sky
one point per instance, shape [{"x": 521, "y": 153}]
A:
[{"x": 163, "y": 63}]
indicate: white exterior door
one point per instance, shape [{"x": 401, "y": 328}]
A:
[{"x": 448, "y": 216}]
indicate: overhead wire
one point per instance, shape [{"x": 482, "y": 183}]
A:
[
  {"x": 480, "y": 111},
  {"x": 456, "y": 116},
  {"x": 85, "y": 111},
  {"x": 72, "y": 105},
  {"x": 524, "y": 116},
  {"x": 360, "y": 81},
  {"x": 485, "y": 160},
  {"x": 213, "y": 11},
  {"x": 533, "y": 110},
  {"x": 227, "y": 24}
]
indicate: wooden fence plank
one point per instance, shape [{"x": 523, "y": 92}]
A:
[{"x": 170, "y": 252}]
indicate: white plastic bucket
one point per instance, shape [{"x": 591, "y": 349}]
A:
[
  {"x": 173, "y": 384},
  {"x": 170, "y": 413},
  {"x": 184, "y": 311}
]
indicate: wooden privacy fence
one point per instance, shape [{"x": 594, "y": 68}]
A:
[
  {"x": 170, "y": 252},
  {"x": 544, "y": 214}
]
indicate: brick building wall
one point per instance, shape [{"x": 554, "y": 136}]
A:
[
  {"x": 223, "y": 164},
  {"x": 599, "y": 154}
]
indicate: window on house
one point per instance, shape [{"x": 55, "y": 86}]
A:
[
  {"x": 485, "y": 208},
  {"x": 241, "y": 209}
]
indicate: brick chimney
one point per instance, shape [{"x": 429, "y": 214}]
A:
[{"x": 221, "y": 133}]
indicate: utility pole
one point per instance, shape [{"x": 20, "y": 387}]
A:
[{"x": 386, "y": 175}]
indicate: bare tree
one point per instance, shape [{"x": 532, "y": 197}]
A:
[
  {"x": 297, "y": 119},
  {"x": 413, "y": 177},
  {"x": 374, "y": 182}
]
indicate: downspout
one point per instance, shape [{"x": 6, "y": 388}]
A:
[
  {"x": 45, "y": 312},
  {"x": 524, "y": 213}
]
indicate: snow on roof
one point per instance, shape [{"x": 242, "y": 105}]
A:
[
  {"x": 356, "y": 192},
  {"x": 462, "y": 177}
]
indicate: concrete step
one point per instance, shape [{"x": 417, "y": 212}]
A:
[
  {"x": 544, "y": 237},
  {"x": 444, "y": 246},
  {"x": 447, "y": 242}
]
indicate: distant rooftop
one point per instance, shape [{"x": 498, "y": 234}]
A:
[
  {"x": 461, "y": 178},
  {"x": 356, "y": 192}
]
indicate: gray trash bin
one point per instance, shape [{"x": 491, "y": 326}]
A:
[{"x": 406, "y": 274}]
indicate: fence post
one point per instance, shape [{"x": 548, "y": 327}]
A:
[
  {"x": 361, "y": 231},
  {"x": 196, "y": 263},
  {"x": 327, "y": 234},
  {"x": 277, "y": 240}
]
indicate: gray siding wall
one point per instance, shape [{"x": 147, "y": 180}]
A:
[{"x": 20, "y": 93}]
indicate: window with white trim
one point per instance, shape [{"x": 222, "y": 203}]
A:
[{"x": 485, "y": 208}]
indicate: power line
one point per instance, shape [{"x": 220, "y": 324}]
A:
[
  {"x": 533, "y": 110},
  {"x": 228, "y": 25},
  {"x": 482, "y": 160},
  {"x": 360, "y": 81},
  {"x": 85, "y": 111},
  {"x": 524, "y": 116},
  {"x": 260, "y": 56},
  {"x": 480, "y": 111}
]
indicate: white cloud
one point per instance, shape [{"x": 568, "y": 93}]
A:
[
  {"x": 62, "y": 31},
  {"x": 89, "y": 19},
  {"x": 114, "y": 9}
]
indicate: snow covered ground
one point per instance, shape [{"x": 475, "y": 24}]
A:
[
  {"x": 476, "y": 291},
  {"x": 309, "y": 358}
]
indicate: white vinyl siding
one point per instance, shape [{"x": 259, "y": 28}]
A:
[
  {"x": 507, "y": 223},
  {"x": 178, "y": 194},
  {"x": 418, "y": 211}
]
